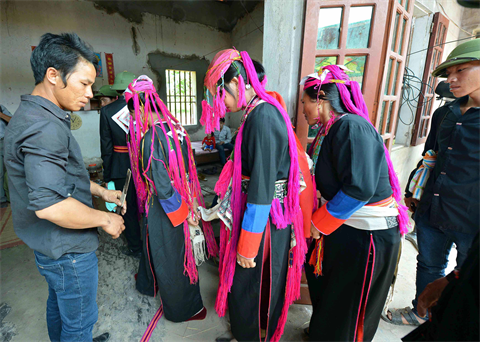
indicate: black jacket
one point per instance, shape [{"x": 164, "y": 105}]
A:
[
  {"x": 452, "y": 194},
  {"x": 115, "y": 165},
  {"x": 455, "y": 316}
]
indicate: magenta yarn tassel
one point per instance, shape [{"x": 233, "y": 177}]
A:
[
  {"x": 277, "y": 215},
  {"x": 238, "y": 207},
  {"x": 189, "y": 263},
  {"x": 223, "y": 182},
  {"x": 360, "y": 108},
  {"x": 264, "y": 82},
  {"x": 207, "y": 117},
  {"x": 241, "y": 93},
  {"x": 292, "y": 214}
]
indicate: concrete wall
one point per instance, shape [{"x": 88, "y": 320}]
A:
[
  {"x": 404, "y": 156},
  {"x": 23, "y": 22},
  {"x": 159, "y": 62},
  {"x": 282, "y": 48},
  {"x": 247, "y": 34}
]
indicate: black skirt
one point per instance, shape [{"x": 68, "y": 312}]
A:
[{"x": 358, "y": 268}]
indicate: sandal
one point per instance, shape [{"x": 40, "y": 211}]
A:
[{"x": 397, "y": 314}]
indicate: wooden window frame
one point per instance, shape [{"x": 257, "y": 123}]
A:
[
  {"x": 393, "y": 100},
  {"x": 438, "y": 36},
  {"x": 373, "y": 52}
]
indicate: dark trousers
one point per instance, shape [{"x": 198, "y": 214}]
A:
[
  {"x": 132, "y": 227},
  {"x": 434, "y": 245},
  {"x": 221, "y": 151}
]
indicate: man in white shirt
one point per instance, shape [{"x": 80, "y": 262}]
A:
[{"x": 223, "y": 139}]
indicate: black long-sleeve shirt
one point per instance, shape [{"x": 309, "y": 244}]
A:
[{"x": 452, "y": 193}]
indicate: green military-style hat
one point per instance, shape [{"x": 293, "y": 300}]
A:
[
  {"x": 122, "y": 80},
  {"x": 107, "y": 91},
  {"x": 464, "y": 53}
]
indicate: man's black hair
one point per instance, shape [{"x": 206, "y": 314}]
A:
[
  {"x": 62, "y": 52},
  {"x": 222, "y": 120}
]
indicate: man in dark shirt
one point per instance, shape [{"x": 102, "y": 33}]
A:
[
  {"x": 116, "y": 162},
  {"x": 50, "y": 190},
  {"x": 449, "y": 209}
]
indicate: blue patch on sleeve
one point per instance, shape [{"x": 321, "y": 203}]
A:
[
  {"x": 255, "y": 218},
  {"x": 342, "y": 206},
  {"x": 171, "y": 204}
]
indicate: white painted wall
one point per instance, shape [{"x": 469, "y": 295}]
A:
[{"x": 22, "y": 23}]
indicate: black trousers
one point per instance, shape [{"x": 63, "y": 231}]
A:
[
  {"x": 358, "y": 268},
  {"x": 132, "y": 227}
]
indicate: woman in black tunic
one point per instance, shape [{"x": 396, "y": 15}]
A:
[
  {"x": 168, "y": 190},
  {"x": 262, "y": 251},
  {"x": 352, "y": 259}
]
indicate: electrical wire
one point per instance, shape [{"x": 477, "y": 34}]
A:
[
  {"x": 411, "y": 85},
  {"x": 454, "y": 23},
  {"x": 429, "y": 48}
]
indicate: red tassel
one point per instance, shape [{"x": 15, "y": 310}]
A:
[{"x": 316, "y": 258}]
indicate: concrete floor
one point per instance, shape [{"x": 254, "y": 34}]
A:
[{"x": 125, "y": 313}]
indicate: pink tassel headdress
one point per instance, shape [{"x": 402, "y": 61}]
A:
[
  {"x": 155, "y": 112},
  {"x": 292, "y": 213},
  {"x": 336, "y": 74}
]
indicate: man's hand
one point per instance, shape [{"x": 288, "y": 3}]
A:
[
  {"x": 192, "y": 219},
  {"x": 244, "y": 262},
  {"x": 411, "y": 203},
  {"x": 113, "y": 196},
  {"x": 195, "y": 209},
  {"x": 430, "y": 295},
  {"x": 113, "y": 225},
  {"x": 314, "y": 232},
  {"x": 220, "y": 143}
]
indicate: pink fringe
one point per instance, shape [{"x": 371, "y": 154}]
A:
[
  {"x": 177, "y": 171},
  {"x": 189, "y": 263},
  {"x": 207, "y": 117},
  {"x": 360, "y": 108},
  {"x": 291, "y": 214},
  {"x": 223, "y": 182},
  {"x": 276, "y": 213},
  {"x": 241, "y": 93},
  {"x": 264, "y": 82}
]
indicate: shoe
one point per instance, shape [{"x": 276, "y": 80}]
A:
[
  {"x": 102, "y": 338},
  {"x": 128, "y": 252},
  {"x": 199, "y": 316},
  {"x": 412, "y": 237}
]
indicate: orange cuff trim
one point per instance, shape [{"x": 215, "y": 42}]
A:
[
  {"x": 249, "y": 243},
  {"x": 120, "y": 149},
  {"x": 178, "y": 216},
  {"x": 325, "y": 222}
]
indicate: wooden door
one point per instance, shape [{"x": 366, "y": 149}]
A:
[{"x": 349, "y": 32}]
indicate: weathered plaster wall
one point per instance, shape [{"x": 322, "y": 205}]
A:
[
  {"x": 247, "y": 34},
  {"x": 23, "y": 23},
  {"x": 222, "y": 15}
]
